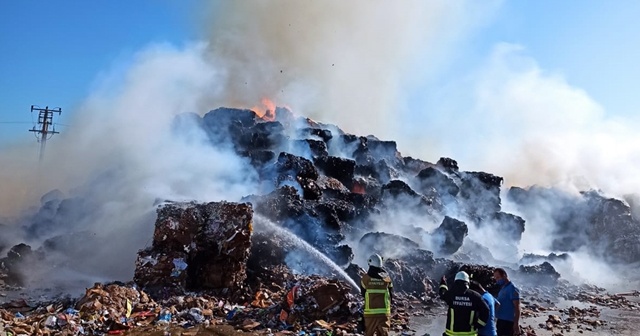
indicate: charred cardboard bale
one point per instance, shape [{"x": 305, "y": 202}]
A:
[
  {"x": 259, "y": 158},
  {"x": 14, "y": 266},
  {"x": 295, "y": 166},
  {"x": 543, "y": 273},
  {"x": 313, "y": 298},
  {"x": 287, "y": 209},
  {"x": 473, "y": 252},
  {"x": 225, "y": 115},
  {"x": 351, "y": 139},
  {"x": 176, "y": 226},
  {"x": 323, "y": 134},
  {"x": 341, "y": 255},
  {"x": 310, "y": 189},
  {"x": 420, "y": 258},
  {"x": 160, "y": 272},
  {"x": 406, "y": 278},
  {"x": 222, "y": 122},
  {"x": 355, "y": 272},
  {"x": 281, "y": 204},
  {"x": 481, "y": 273},
  {"x": 331, "y": 186},
  {"x": 371, "y": 149},
  {"x": 613, "y": 228},
  {"x": 216, "y": 238},
  {"x": 382, "y": 149},
  {"x": 529, "y": 258},
  {"x": 397, "y": 187},
  {"x": 383, "y": 243},
  {"x": 364, "y": 203},
  {"x": 268, "y": 250},
  {"x": 308, "y": 147},
  {"x": 379, "y": 170},
  {"x": 518, "y": 195},
  {"x": 329, "y": 215},
  {"x": 510, "y": 226},
  {"x": 433, "y": 178},
  {"x": 413, "y": 166},
  {"x": 339, "y": 168},
  {"x": 222, "y": 247},
  {"x": 284, "y": 115},
  {"x": 367, "y": 185},
  {"x": 343, "y": 210},
  {"x": 336, "y": 213},
  {"x": 183, "y": 123},
  {"x": 449, "y": 236},
  {"x": 481, "y": 192},
  {"x": 398, "y": 191},
  {"x": 570, "y": 213},
  {"x": 262, "y": 136},
  {"x": 72, "y": 244},
  {"x": 448, "y": 164},
  {"x": 56, "y": 216}
]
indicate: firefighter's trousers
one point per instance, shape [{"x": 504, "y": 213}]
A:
[{"x": 377, "y": 324}]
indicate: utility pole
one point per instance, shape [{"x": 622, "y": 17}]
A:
[{"x": 45, "y": 120}]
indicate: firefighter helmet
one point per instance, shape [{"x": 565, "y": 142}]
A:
[
  {"x": 462, "y": 276},
  {"x": 375, "y": 260}
]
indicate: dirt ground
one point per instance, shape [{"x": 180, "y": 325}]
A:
[
  {"x": 196, "y": 331},
  {"x": 618, "y": 322}
]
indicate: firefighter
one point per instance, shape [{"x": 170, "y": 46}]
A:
[
  {"x": 467, "y": 311},
  {"x": 377, "y": 288}
]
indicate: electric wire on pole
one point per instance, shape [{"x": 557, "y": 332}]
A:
[{"x": 46, "y": 126}]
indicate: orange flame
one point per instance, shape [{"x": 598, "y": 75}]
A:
[{"x": 269, "y": 113}]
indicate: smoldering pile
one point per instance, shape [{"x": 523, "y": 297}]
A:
[{"x": 328, "y": 193}]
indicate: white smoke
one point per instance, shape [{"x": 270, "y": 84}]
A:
[
  {"x": 346, "y": 62},
  {"x": 124, "y": 152},
  {"x": 531, "y": 126}
]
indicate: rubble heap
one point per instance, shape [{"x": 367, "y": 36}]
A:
[{"x": 340, "y": 194}]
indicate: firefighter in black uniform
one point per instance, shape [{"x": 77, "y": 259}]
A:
[{"x": 467, "y": 311}]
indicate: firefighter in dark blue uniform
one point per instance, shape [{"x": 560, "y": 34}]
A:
[{"x": 467, "y": 311}]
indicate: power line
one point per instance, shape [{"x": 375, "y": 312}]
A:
[{"x": 45, "y": 120}]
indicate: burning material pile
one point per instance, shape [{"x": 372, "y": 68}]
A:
[{"x": 337, "y": 197}]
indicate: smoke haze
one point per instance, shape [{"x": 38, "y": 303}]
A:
[
  {"x": 349, "y": 63},
  {"x": 358, "y": 64}
]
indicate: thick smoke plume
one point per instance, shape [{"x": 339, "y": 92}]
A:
[
  {"x": 125, "y": 152},
  {"x": 358, "y": 64},
  {"x": 346, "y": 62}
]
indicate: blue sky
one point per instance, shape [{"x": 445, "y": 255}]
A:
[
  {"x": 52, "y": 51},
  {"x": 594, "y": 44}
]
